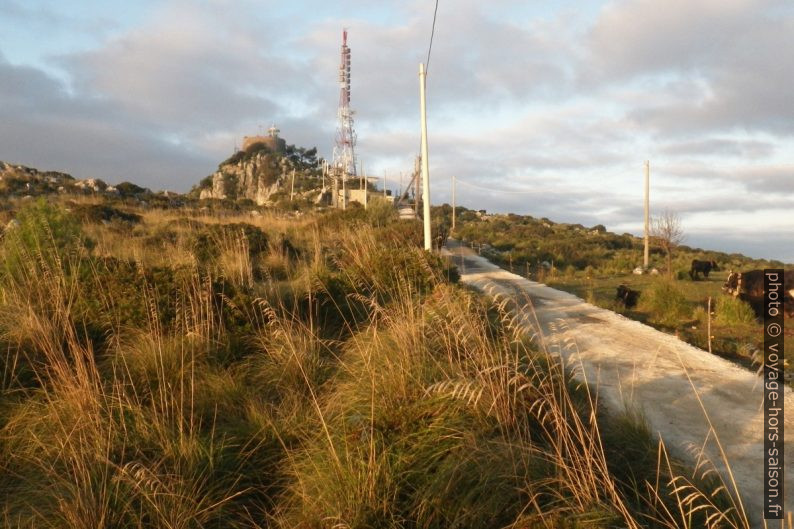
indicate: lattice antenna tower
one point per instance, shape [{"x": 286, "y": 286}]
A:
[{"x": 344, "y": 161}]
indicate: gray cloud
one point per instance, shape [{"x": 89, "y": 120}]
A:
[
  {"x": 44, "y": 126},
  {"x": 192, "y": 70},
  {"x": 733, "y": 56},
  {"x": 708, "y": 147}
]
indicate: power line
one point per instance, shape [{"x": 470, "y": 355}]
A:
[
  {"x": 432, "y": 32},
  {"x": 430, "y": 47}
]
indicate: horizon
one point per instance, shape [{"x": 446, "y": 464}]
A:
[{"x": 547, "y": 111}]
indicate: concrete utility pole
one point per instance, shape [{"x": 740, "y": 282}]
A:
[
  {"x": 364, "y": 184},
  {"x": 425, "y": 161},
  {"x": 292, "y": 187},
  {"x": 453, "y": 203},
  {"x": 344, "y": 192},
  {"x": 647, "y": 212},
  {"x": 417, "y": 163}
]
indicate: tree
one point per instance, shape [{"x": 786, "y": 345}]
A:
[{"x": 667, "y": 232}]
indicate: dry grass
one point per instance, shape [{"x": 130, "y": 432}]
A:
[{"x": 346, "y": 385}]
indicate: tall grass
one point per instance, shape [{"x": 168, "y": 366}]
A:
[{"x": 358, "y": 388}]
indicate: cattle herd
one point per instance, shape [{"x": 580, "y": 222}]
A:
[{"x": 747, "y": 286}]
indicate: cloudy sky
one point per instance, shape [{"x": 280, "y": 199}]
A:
[{"x": 544, "y": 108}]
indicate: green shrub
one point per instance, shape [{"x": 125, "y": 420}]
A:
[
  {"x": 666, "y": 304},
  {"x": 96, "y": 213},
  {"x": 206, "y": 244},
  {"x": 734, "y": 311},
  {"x": 119, "y": 296},
  {"x": 44, "y": 234},
  {"x": 128, "y": 189}
]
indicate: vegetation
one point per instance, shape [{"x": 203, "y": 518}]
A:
[
  {"x": 199, "y": 370},
  {"x": 734, "y": 311},
  {"x": 666, "y": 303},
  {"x": 592, "y": 262},
  {"x": 527, "y": 242}
]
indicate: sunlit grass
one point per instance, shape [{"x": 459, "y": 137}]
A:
[{"x": 344, "y": 382}]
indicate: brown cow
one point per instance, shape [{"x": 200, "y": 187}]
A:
[{"x": 749, "y": 286}]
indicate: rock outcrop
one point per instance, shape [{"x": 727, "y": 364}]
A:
[
  {"x": 255, "y": 176},
  {"x": 19, "y": 180}
]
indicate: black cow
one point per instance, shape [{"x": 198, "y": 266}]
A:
[
  {"x": 627, "y": 296},
  {"x": 702, "y": 267},
  {"x": 749, "y": 286}
]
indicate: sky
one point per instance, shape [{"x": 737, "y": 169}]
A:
[{"x": 540, "y": 108}]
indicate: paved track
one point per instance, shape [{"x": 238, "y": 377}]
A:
[{"x": 631, "y": 363}]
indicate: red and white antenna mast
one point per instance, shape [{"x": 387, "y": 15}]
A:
[{"x": 344, "y": 151}]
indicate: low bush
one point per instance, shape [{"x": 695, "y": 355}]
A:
[
  {"x": 207, "y": 243},
  {"x": 734, "y": 311},
  {"x": 666, "y": 303},
  {"x": 44, "y": 235},
  {"x": 96, "y": 213}
]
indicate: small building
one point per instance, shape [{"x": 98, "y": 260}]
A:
[
  {"x": 271, "y": 141},
  {"x": 357, "y": 195}
]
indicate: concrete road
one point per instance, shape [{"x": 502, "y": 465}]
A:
[{"x": 672, "y": 383}]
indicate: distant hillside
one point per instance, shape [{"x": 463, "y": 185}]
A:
[{"x": 523, "y": 240}]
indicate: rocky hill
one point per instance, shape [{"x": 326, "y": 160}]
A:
[{"x": 259, "y": 174}]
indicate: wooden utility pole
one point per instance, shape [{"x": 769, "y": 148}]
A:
[
  {"x": 453, "y": 203},
  {"x": 646, "y": 255},
  {"x": 708, "y": 328},
  {"x": 425, "y": 161}
]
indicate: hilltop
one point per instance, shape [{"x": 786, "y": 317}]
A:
[
  {"x": 255, "y": 176},
  {"x": 264, "y": 176}
]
